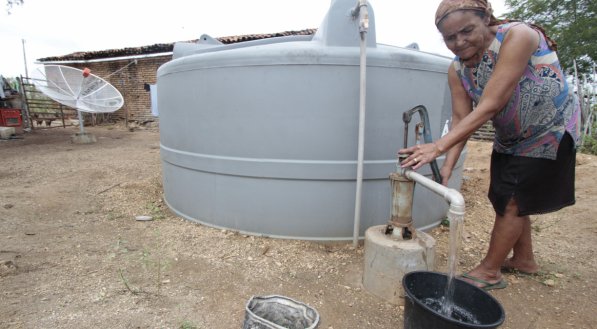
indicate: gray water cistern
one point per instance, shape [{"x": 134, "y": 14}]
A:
[{"x": 260, "y": 137}]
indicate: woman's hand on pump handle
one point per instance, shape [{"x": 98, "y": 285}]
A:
[{"x": 418, "y": 155}]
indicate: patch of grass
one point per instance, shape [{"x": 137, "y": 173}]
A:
[
  {"x": 155, "y": 210},
  {"x": 126, "y": 282},
  {"x": 445, "y": 222},
  {"x": 153, "y": 261},
  {"x": 111, "y": 215},
  {"x": 188, "y": 325},
  {"x": 148, "y": 263},
  {"x": 118, "y": 249}
]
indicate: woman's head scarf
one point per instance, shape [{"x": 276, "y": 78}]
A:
[{"x": 446, "y": 7}]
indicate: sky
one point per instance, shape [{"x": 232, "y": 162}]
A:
[{"x": 61, "y": 27}]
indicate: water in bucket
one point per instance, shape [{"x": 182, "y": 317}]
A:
[
  {"x": 472, "y": 307},
  {"x": 437, "y": 300},
  {"x": 455, "y": 312}
]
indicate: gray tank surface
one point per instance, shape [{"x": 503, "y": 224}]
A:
[{"x": 261, "y": 137}]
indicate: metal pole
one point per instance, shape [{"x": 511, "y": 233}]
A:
[
  {"x": 81, "y": 129},
  {"x": 25, "y": 60}
]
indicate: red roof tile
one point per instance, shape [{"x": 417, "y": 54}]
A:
[{"x": 165, "y": 47}]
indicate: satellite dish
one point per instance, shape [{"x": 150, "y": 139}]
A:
[{"x": 78, "y": 89}]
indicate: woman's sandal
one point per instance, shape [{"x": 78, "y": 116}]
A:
[{"x": 485, "y": 285}]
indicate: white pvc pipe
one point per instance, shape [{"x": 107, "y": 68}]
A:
[
  {"x": 363, "y": 27},
  {"x": 452, "y": 196}
]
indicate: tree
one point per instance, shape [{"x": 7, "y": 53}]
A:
[
  {"x": 11, "y": 3},
  {"x": 571, "y": 23}
]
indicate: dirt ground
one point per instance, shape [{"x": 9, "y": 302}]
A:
[{"x": 73, "y": 255}]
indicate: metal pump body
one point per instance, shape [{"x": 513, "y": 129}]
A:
[
  {"x": 400, "y": 224},
  {"x": 401, "y": 221}
]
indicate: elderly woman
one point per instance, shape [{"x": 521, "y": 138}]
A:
[{"x": 508, "y": 72}]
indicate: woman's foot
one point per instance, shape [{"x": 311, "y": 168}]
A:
[{"x": 525, "y": 267}]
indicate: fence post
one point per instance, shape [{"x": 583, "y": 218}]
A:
[{"x": 24, "y": 104}]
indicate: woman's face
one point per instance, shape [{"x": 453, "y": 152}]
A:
[{"x": 466, "y": 35}]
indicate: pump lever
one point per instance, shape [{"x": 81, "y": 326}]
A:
[{"x": 406, "y": 117}]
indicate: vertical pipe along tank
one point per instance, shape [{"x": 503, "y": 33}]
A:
[{"x": 261, "y": 137}]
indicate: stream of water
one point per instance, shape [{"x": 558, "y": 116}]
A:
[{"x": 456, "y": 226}]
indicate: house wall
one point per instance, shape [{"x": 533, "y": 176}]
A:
[{"x": 130, "y": 81}]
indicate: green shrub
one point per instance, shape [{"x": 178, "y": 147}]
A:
[{"x": 589, "y": 145}]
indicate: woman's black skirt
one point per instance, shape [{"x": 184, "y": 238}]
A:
[{"x": 539, "y": 186}]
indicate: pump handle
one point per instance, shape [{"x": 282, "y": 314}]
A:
[{"x": 406, "y": 117}]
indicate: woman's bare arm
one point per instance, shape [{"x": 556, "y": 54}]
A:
[{"x": 516, "y": 50}]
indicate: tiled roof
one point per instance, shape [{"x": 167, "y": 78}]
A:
[{"x": 165, "y": 47}]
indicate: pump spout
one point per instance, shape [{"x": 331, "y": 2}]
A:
[{"x": 452, "y": 196}]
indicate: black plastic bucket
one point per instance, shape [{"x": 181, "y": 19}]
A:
[{"x": 421, "y": 287}]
